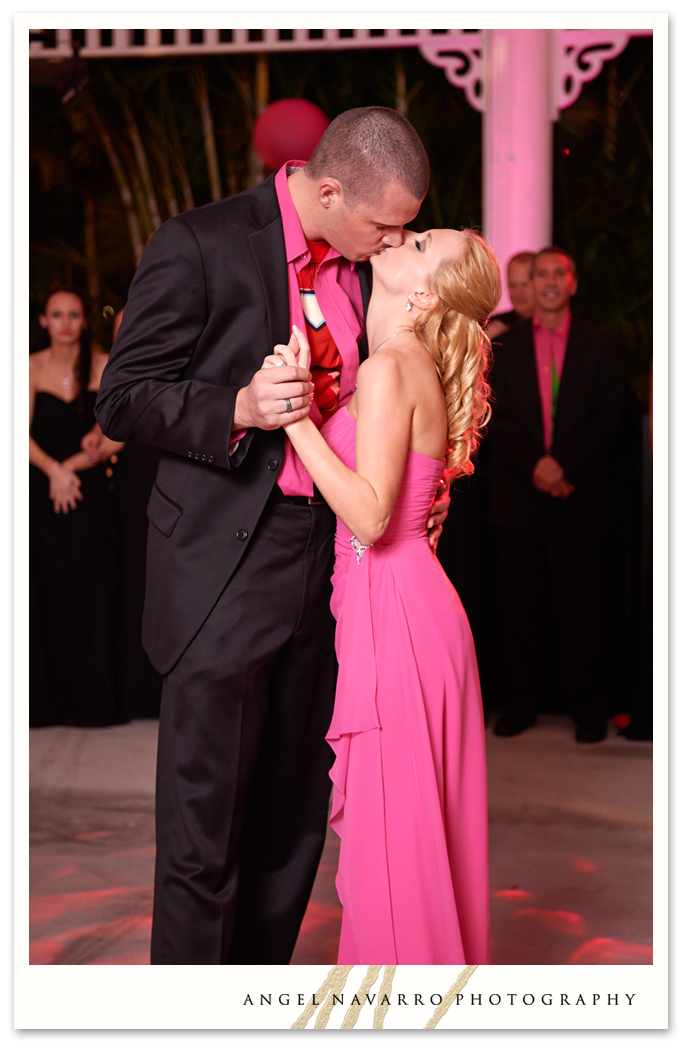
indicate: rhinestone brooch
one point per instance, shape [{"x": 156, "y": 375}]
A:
[{"x": 359, "y": 547}]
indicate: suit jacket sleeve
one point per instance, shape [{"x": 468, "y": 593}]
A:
[
  {"x": 144, "y": 395},
  {"x": 593, "y": 436}
]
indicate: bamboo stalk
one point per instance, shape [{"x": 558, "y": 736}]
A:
[
  {"x": 137, "y": 146},
  {"x": 198, "y": 82},
  {"x": 119, "y": 174},
  {"x": 261, "y": 101},
  {"x": 176, "y": 153},
  {"x": 401, "y": 93},
  {"x": 161, "y": 148},
  {"x": 92, "y": 261}
]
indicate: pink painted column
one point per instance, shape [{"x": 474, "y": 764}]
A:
[{"x": 518, "y": 142}]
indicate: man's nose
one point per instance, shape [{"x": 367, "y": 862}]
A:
[{"x": 394, "y": 238}]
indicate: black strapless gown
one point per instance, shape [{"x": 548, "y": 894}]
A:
[{"x": 72, "y": 582}]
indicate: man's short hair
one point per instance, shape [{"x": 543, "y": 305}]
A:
[
  {"x": 521, "y": 257},
  {"x": 553, "y": 249},
  {"x": 367, "y": 149}
]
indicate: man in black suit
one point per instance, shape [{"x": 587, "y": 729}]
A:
[
  {"x": 559, "y": 392},
  {"x": 238, "y": 566}
]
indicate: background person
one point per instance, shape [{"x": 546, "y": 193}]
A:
[
  {"x": 71, "y": 536},
  {"x": 552, "y": 479},
  {"x": 520, "y": 288}
]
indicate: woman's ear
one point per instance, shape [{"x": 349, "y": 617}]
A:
[
  {"x": 43, "y": 320},
  {"x": 425, "y": 300}
]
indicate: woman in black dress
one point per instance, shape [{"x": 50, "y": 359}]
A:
[{"x": 71, "y": 543}]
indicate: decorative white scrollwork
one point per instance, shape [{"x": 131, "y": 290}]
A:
[
  {"x": 461, "y": 57},
  {"x": 580, "y": 56}
]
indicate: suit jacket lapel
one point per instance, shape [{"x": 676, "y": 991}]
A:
[
  {"x": 269, "y": 249},
  {"x": 365, "y": 279},
  {"x": 572, "y": 373},
  {"x": 526, "y": 379}
]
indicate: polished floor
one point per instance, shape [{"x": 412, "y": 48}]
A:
[{"x": 570, "y": 849}]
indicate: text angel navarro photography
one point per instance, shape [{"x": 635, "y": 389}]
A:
[{"x": 435, "y": 999}]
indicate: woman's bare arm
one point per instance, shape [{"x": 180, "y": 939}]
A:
[{"x": 364, "y": 499}]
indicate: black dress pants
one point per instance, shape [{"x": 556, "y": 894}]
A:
[
  {"x": 554, "y": 592},
  {"x": 242, "y": 785}
]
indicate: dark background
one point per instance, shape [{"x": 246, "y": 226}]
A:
[{"x": 79, "y": 228}]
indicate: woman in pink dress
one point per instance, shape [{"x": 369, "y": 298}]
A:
[{"x": 409, "y": 775}]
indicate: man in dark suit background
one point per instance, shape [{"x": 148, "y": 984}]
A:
[
  {"x": 552, "y": 473},
  {"x": 240, "y": 546}
]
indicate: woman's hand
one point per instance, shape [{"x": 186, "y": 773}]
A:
[
  {"x": 296, "y": 353},
  {"x": 64, "y": 486}
]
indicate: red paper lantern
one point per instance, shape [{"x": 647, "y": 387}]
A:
[{"x": 288, "y": 130}]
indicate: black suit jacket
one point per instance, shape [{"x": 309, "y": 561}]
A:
[
  {"x": 208, "y": 302},
  {"x": 587, "y": 421}
]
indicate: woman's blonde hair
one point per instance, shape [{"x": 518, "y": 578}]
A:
[{"x": 469, "y": 288}]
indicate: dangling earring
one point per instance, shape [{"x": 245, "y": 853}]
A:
[{"x": 409, "y": 304}]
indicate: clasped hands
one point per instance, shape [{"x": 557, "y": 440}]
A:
[
  {"x": 64, "y": 483},
  {"x": 548, "y": 476},
  {"x": 295, "y": 357}
]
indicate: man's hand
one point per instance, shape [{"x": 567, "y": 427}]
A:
[
  {"x": 263, "y": 402},
  {"x": 438, "y": 511},
  {"x": 547, "y": 473},
  {"x": 561, "y": 489}
]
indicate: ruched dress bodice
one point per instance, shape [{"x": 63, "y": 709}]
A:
[{"x": 409, "y": 774}]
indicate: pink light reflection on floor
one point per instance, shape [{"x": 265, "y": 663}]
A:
[
  {"x": 44, "y": 951},
  {"x": 582, "y": 864},
  {"x": 55, "y": 905},
  {"x": 607, "y": 951},
  {"x": 564, "y": 921}
]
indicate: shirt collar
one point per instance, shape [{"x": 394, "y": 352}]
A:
[
  {"x": 296, "y": 245},
  {"x": 562, "y": 329}
]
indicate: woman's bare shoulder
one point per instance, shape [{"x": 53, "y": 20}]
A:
[{"x": 37, "y": 362}]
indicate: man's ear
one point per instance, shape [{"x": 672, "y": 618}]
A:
[
  {"x": 329, "y": 191},
  {"x": 425, "y": 299},
  {"x": 574, "y": 285}
]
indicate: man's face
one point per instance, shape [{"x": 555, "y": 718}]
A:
[
  {"x": 520, "y": 287},
  {"x": 554, "y": 284},
  {"x": 362, "y": 231}
]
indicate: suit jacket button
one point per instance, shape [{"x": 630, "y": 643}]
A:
[
  {"x": 273, "y": 464},
  {"x": 241, "y": 534},
  {"x": 210, "y": 459}
]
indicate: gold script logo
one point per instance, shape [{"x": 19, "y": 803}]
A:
[{"x": 333, "y": 987}]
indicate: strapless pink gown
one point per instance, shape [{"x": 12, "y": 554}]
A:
[{"x": 410, "y": 801}]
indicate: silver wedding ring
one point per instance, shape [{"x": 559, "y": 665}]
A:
[
  {"x": 289, "y": 406},
  {"x": 281, "y": 364}
]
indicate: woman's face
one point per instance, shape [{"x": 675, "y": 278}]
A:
[
  {"x": 64, "y": 318},
  {"x": 408, "y": 269}
]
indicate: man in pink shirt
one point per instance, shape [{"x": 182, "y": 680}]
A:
[
  {"x": 240, "y": 547},
  {"x": 552, "y": 470}
]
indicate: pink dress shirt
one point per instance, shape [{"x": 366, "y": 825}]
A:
[
  {"x": 549, "y": 346},
  {"x": 337, "y": 290}
]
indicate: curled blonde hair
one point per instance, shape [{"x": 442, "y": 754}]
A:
[{"x": 469, "y": 288}]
